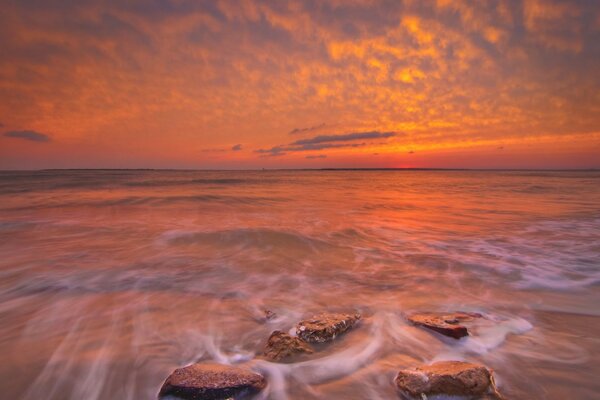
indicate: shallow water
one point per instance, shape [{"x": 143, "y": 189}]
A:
[{"x": 111, "y": 279}]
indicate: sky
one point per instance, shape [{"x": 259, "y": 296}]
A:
[{"x": 299, "y": 84}]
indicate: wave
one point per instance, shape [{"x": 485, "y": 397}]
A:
[
  {"x": 151, "y": 200},
  {"x": 193, "y": 182},
  {"x": 16, "y": 183},
  {"x": 257, "y": 238},
  {"x": 554, "y": 255}
]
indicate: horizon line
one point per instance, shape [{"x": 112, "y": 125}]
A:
[{"x": 593, "y": 169}]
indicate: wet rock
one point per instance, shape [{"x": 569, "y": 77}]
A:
[
  {"x": 449, "y": 324},
  {"x": 212, "y": 382},
  {"x": 325, "y": 327},
  {"x": 452, "y": 378},
  {"x": 282, "y": 345},
  {"x": 269, "y": 315},
  {"x": 263, "y": 315}
]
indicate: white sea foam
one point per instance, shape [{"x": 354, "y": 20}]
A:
[{"x": 488, "y": 336}]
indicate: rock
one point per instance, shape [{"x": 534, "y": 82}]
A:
[
  {"x": 325, "y": 327},
  {"x": 269, "y": 315},
  {"x": 452, "y": 378},
  {"x": 446, "y": 324},
  {"x": 282, "y": 345},
  {"x": 212, "y": 382}
]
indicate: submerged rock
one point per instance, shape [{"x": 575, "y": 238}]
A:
[
  {"x": 282, "y": 345},
  {"x": 448, "y": 324},
  {"x": 212, "y": 382},
  {"x": 325, "y": 327},
  {"x": 455, "y": 378},
  {"x": 269, "y": 315}
]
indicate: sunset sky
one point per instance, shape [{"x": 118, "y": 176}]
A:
[{"x": 310, "y": 84}]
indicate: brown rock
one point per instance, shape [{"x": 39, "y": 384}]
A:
[
  {"x": 212, "y": 382},
  {"x": 447, "y": 324},
  {"x": 281, "y": 345},
  {"x": 448, "y": 378},
  {"x": 325, "y": 327}
]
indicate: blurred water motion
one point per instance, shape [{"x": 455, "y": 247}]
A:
[{"x": 111, "y": 279}]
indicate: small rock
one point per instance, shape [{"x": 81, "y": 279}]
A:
[
  {"x": 212, "y": 382},
  {"x": 269, "y": 315},
  {"x": 446, "y": 324},
  {"x": 282, "y": 345},
  {"x": 325, "y": 327},
  {"x": 452, "y": 378}
]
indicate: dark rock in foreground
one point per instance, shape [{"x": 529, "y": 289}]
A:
[
  {"x": 325, "y": 327},
  {"x": 282, "y": 345},
  {"x": 446, "y": 378},
  {"x": 212, "y": 382},
  {"x": 448, "y": 324}
]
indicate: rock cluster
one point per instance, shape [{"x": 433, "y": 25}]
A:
[
  {"x": 320, "y": 328},
  {"x": 282, "y": 345},
  {"x": 220, "y": 382},
  {"x": 448, "y": 324},
  {"x": 212, "y": 382},
  {"x": 453, "y": 378},
  {"x": 448, "y": 378}
]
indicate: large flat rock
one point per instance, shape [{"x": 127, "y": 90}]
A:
[
  {"x": 282, "y": 345},
  {"x": 448, "y": 324},
  {"x": 452, "y": 378},
  {"x": 212, "y": 382},
  {"x": 325, "y": 327}
]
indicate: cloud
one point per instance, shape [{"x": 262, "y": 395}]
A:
[
  {"x": 296, "y": 131},
  {"x": 447, "y": 74},
  {"x": 325, "y": 142},
  {"x": 345, "y": 137},
  {"x": 321, "y": 146},
  {"x": 272, "y": 152},
  {"x": 237, "y": 147},
  {"x": 312, "y": 157},
  {"x": 276, "y": 151},
  {"x": 282, "y": 150},
  {"x": 28, "y": 135}
]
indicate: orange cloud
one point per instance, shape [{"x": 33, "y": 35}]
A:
[{"x": 157, "y": 86}]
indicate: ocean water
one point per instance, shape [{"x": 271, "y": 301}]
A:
[{"x": 111, "y": 279}]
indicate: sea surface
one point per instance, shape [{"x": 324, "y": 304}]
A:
[{"x": 111, "y": 279}]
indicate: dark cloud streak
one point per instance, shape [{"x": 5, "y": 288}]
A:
[
  {"x": 282, "y": 150},
  {"x": 325, "y": 142},
  {"x": 28, "y": 135},
  {"x": 345, "y": 137},
  {"x": 236, "y": 147},
  {"x": 313, "y": 157},
  {"x": 297, "y": 131}
]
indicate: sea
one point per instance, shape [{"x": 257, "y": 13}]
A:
[{"x": 111, "y": 279}]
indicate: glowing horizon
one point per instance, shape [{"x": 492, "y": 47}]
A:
[{"x": 300, "y": 84}]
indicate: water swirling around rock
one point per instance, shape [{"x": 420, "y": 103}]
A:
[{"x": 109, "y": 280}]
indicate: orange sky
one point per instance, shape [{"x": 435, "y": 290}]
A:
[{"x": 280, "y": 84}]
